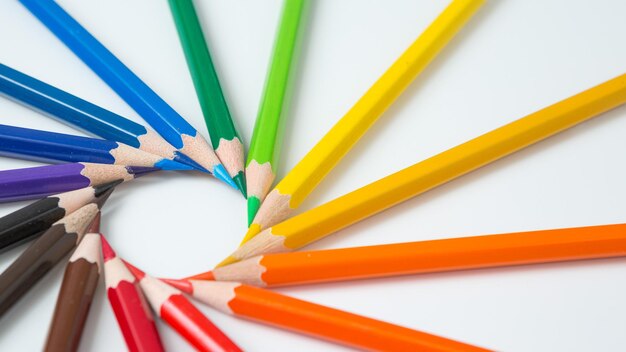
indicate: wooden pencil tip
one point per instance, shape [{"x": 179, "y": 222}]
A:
[
  {"x": 136, "y": 272},
  {"x": 95, "y": 224},
  {"x": 182, "y": 284},
  {"x": 107, "y": 252},
  {"x": 208, "y": 276},
  {"x": 253, "y": 230}
]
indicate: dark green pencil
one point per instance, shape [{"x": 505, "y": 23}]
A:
[{"x": 224, "y": 136}]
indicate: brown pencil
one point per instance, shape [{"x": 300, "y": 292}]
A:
[
  {"x": 45, "y": 253},
  {"x": 80, "y": 281}
]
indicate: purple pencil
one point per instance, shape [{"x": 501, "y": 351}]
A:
[{"x": 42, "y": 181}]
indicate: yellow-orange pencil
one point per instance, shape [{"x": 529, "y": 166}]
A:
[{"x": 319, "y": 222}]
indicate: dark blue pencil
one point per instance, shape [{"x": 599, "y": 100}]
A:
[
  {"x": 26, "y": 143},
  {"x": 175, "y": 129},
  {"x": 84, "y": 115}
]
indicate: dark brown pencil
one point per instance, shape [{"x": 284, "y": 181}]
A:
[
  {"x": 32, "y": 220},
  {"x": 80, "y": 281},
  {"x": 45, "y": 253}
]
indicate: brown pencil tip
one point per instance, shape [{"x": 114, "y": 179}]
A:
[
  {"x": 133, "y": 269},
  {"x": 204, "y": 276},
  {"x": 95, "y": 224},
  {"x": 183, "y": 285},
  {"x": 107, "y": 252}
]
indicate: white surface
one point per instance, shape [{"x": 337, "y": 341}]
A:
[{"x": 513, "y": 58}]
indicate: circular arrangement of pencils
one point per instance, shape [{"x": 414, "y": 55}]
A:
[{"x": 62, "y": 224}]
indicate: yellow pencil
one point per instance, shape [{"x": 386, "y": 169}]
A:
[
  {"x": 319, "y": 222},
  {"x": 304, "y": 177}
]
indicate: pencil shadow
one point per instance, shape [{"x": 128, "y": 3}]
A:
[
  {"x": 361, "y": 148},
  {"x": 468, "y": 179}
]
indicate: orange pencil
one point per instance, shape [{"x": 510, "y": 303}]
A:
[
  {"x": 313, "y": 319},
  {"x": 426, "y": 256}
]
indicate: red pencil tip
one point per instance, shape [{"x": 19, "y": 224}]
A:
[
  {"x": 183, "y": 285},
  {"x": 95, "y": 224},
  {"x": 204, "y": 276},
  {"x": 138, "y": 273},
  {"x": 107, "y": 252}
]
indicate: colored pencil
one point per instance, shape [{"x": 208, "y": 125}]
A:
[
  {"x": 167, "y": 122},
  {"x": 35, "y": 262},
  {"x": 84, "y": 115},
  {"x": 176, "y": 310},
  {"x": 41, "y": 181},
  {"x": 267, "y": 137},
  {"x": 478, "y": 252},
  {"x": 32, "y": 220},
  {"x": 129, "y": 305},
  {"x": 311, "y": 170},
  {"x": 80, "y": 281},
  {"x": 313, "y": 319},
  {"x": 224, "y": 137},
  {"x": 319, "y": 222},
  {"x": 40, "y": 145}
]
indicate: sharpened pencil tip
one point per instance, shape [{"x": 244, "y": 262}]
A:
[
  {"x": 95, "y": 224},
  {"x": 136, "y": 272},
  {"x": 208, "y": 276},
  {"x": 220, "y": 172},
  {"x": 140, "y": 170},
  {"x": 183, "y": 285},
  {"x": 182, "y": 158},
  {"x": 99, "y": 190},
  {"x": 166, "y": 164},
  {"x": 107, "y": 252},
  {"x": 227, "y": 261},
  {"x": 102, "y": 198},
  {"x": 253, "y": 230},
  {"x": 254, "y": 203},
  {"x": 240, "y": 181}
]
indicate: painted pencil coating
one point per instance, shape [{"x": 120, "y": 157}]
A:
[
  {"x": 77, "y": 291},
  {"x": 170, "y": 125},
  {"x": 41, "y": 181},
  {"x": 84, "y": 115},
  {"x": 31, "y": 221},
  {"x": 451, "y": 254},
  {"x": 330, "y": 150},
  {"x": 129, "y": 305},
  {"x": 31, "y": 144},
  {"x": 328, "y": 218},
  {"x": 316, "y": 320},
  {"x": 181, "y": 315},
  {"x": 224, "y": 136},
  {"x": 35, "y": 262},
  {"x": 268, "y": 129}
]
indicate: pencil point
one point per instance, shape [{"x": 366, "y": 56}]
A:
[
  {"x": 99, "y": 190},
  {"x": 95, "y": 224},
  {"x": 102, "y": 198},
  {"x": 220, "y": 172},
  {"x": 136, "y": 272},
  {"x": 183, "y": 285},
  {"x": 107, "y": 252},
  {"x": 254, "y": 203},
  {"x": 140, "y": 170},
  {"x": 166, "y": 164},
  {"x": 227, "y": 261},
  {"x": 253, "y": 230},
  {"x": 182, "y": 158},
  {"x": 208, "y": 276},
  {"x": 240, "y": 181}
]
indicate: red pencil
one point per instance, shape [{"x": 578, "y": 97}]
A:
[
  {"x": 131, "y": 310},
  {"x": 182, "y": 315}
]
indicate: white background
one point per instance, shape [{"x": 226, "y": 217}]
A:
[{"x": 513, "y": 58}]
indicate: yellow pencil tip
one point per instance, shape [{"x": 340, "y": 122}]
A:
[
  {"x": 253, "y": 230},
  {"x": 229, "y": 260}
]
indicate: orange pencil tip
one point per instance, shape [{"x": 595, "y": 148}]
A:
[
  {"x": 133, "y": 269},
  {"x": 204, "y": 276},
  {"x": 107, "y": 252},
  {"x": 183, "y": 285}
]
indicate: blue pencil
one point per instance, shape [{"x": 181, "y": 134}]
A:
[
  {"x": 176, "y": 130},
  {"x": 84, "y": 115},
  {"x": 26, "y": 143}
]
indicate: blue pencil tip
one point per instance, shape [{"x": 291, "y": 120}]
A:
[
  {"x": 167, "y": 164},
  {"x": 182, "y": 158},
  {"x": 220, "y": 172}
]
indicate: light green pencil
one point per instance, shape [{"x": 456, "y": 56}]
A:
[{"x": 267, "y": 136}]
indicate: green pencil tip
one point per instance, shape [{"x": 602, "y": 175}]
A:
[
  {"x": 240, "y": 181},
  {"x": 254, "y": 204}
]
